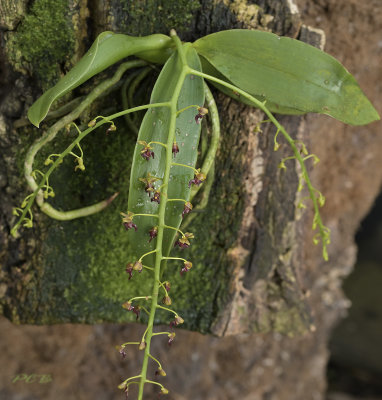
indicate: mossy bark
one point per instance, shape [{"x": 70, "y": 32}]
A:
[{"x": 246, "y": 258}]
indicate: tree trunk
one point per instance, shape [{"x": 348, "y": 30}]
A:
[{"x": 256, "y": 269}]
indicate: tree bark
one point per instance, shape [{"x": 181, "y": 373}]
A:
[{"x": 257, "y": 271}]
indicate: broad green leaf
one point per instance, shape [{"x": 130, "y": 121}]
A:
[
  {"x": 155, "y": 127},
  {"x": 107, "y": 49},
  {"x": 210, "y": 70},
  {"x": 288, "y": 73}
]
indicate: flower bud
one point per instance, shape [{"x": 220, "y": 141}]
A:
[
  {"x": 186, "y": 268},
  {"x": 111, "y": 128},
  {"x": 138, "y": 266},
  {"x": 153, "y": 233},
  {"x": 167, "y": 286},
  {"x": 164, "y": 391},
  {"x": 142, "y": 345},
  {"x": 175, "y": 149},
  {"x": 187, "y": 208},
  {"x": 171, "y": 337},
  {"x": 160, "y": 371},
  {"x": 167, "y": 300},
  {"x": 156, "y": 197},
  {"x": 128, "y": 306}
]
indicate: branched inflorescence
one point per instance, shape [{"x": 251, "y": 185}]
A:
[{"x": 156, "y": 189}]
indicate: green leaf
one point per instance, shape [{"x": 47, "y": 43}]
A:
[
  {"x": 210, "y": 70},
  {"x": 288, "y": 73},
  {"x": 106, "y": 50},
  {"x": 155, "y": 127}
]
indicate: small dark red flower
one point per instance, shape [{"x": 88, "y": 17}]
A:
[
  {"x": 186, "y": 268},
  {"x": 167, "y": 300},
  {"x": 129, "y": 307},
  {"x": 177, "y": 321},
  {"x": 130, "y": 225},
  {"x": 122, "y": 352},
  {"x": 127, "y": 220},
  {"x": 153, "y": 233},
  {"x": 175, "y": 149},
  {"x": 147, "y": 152},
  {"x": 183, "y": 242},
  {"x": 149, "y": 183},
  {"x": 111, "y": 128},
  {"x": 136, "y": 310},
  {"x": 138, "y": 266},
  {"x": 167, "y": 286},
  {"x": 163, "y": 391},
  {"x": 201, "y": 113},
  {"x": 160, "y": 371},
  {"x": 198, "y": 178},
  {"x": 156, "y": 197},
  {"x": 171, "y": 337},
  {"x": 129, "y": 270},
  {"x": 187, "y": 208}
]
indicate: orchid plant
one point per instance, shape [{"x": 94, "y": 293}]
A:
[{"x": 260, "y": 69}]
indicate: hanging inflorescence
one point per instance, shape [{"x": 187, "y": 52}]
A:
[{"x": 167, "y": 154}]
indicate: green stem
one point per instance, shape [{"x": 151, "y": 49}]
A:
[
  {"x": 162, "y": 210},
  {"x": 322, "y": 229},
  {"x": 156, "y": 360},
  {"x": 174, "y": 258},
  {"x": 163, "y": 286},
  {"x": 146, "y": 254},
  {"x": 160, "y": 143},
  {"x": 167, "y": 309},
  {"x": 139, "y": 298},
  {"x": 174, "y": 229},
  {"x": 125, "y": 344},
  {"x": 146, "y": 215},
  {"x": 182, "y": 200},
  {"x": 186, "y": 108},
  {"x": 161, "y": 333},
  {"x": 186, "y": 166}
]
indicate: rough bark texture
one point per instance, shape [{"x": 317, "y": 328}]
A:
[{"x": 269, "y": 277}]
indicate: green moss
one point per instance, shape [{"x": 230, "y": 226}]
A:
[
  {"x": 144, "y": 17},
  {"x": 43, "y": 41}
]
